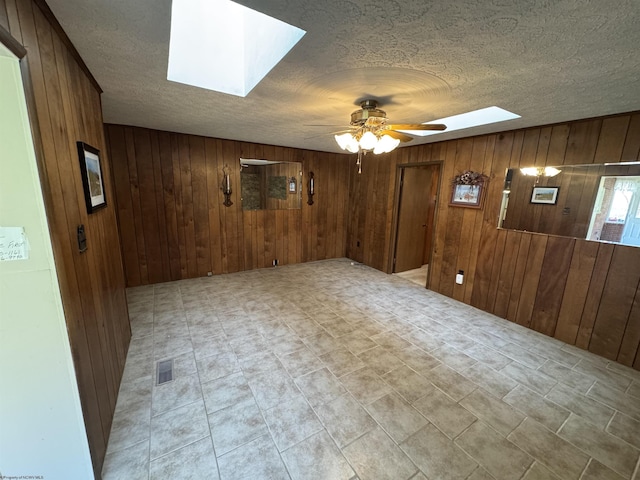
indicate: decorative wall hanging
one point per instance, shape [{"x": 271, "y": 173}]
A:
[
  {"x": 92, "y": 179},
  {"x": 468, "y": 190},
  {"x": 311, "y": 188},
  {"x": 226, "y": 187}
]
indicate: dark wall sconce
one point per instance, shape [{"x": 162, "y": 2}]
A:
[
  {"x": 311, "y": 189},
  {"x": 226, "y": 187}
]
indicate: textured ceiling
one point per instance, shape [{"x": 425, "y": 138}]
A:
[{"x": 546, "y": 60}]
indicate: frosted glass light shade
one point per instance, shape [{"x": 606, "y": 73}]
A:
[
  {"x": 386, "y": 144},
  {"x": 343, "y": 140},
  {"x": 368, "y": 141}
]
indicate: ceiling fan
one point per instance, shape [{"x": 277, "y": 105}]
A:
[{"x": 369, "y": 126}]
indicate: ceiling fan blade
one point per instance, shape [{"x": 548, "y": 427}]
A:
[
  {"x": 325, "y": 125},
  {"x": 416, "y": 126},
  {"x": 403, "y": 137},
  {"x": 327, "y": 134}
]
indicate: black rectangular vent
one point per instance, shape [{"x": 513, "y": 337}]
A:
[{"x": 164, "y": 371}]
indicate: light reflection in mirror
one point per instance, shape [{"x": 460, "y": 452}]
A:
[{"x": 596, "y": 202}]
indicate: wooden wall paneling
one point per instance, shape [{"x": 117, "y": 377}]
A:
[
  {"x": 13, "y": 20},
  {"x": 61, "y": 239},
  {"x": 500, "y": 306},
  {"x": 169, "y": 191},
  {"x": 341, "y": 192},
  {"x": 576, "y": 289},
  {"x": 160, "y": 218},
  {"x": 516, "y": 150},
  {"x": 380, "y": 241},
  {"x": 102, "y": 369},
  {"x": 178, "y": 194},
  {"x": 442, "y": 212},
  {"x": 370, "y": 170},
  {"x": 611, "y": 139},
  {"x": 353, "y": 250},
  {"x": 558, "y": 144},
  {"x": 186, "y": 188},
  {"x": 236, "y": 211},
  {"x": 248, "y": 224},
  {"x": 553, "y": 278},
  {"x": 482, "y": 217},
  {"x": 583, "y": 141},
  {"x": 335, "y": 193},
  {"x": 319, "y": 227},
  {"x": 486, "y": 257},
  {"x": 518, "y": 275},
  {"x": 594, "y": 294},
  {"x": 4, "y": 17},
  {"x": 616, "y": 303},
  {"x": 631, "y": 148},
  {"x": 125, "y": 212},
  {"x": 148, "y": 208},
  {"x": 471, "y": 224},
  {"x": 529, "y": 150},
  {"x": 197, "y": 154},
  {"x": 134, "y": 187},
  {"x": 531, "y": 281},
  {"x": 544, "y": 144},
  {"x": 455, "y": 217},
  {"x": 630, "y": 347},
  {"x": 393, "y": 190},
  {"x": 214, "y": 203},
  {"x": 65, "y": 107},
  {"x": 105, "y": 269}
]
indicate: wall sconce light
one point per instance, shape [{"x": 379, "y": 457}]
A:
[
  {"x": 226, "y": 187},
  {"x": 311, "y": 189}
]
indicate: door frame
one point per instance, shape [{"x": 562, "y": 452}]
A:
[{"x": 396, "y": 211}]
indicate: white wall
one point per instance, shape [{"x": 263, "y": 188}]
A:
[{"x": 41, "y": 426}]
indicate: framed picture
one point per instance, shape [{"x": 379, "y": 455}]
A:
[
  {"x": 92, "y": 179},
  {"x": 545, "y": 195},
  {"x": 470, "y": 196}
]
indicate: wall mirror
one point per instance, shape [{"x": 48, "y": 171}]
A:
[
  {"x": 596, "y": 202},
  {"x": 270, "y": 185}
]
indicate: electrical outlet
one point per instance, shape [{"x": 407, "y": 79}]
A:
[
  {"x": 209, "y": 274},
  {"x": 460, "y": 277}
]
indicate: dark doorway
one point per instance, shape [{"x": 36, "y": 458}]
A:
[{"x": 416, "y": 214}]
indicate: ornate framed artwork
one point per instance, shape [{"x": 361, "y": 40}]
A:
[{"x": 468, "y": 190}]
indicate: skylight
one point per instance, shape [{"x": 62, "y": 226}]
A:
[
  {"x": 476, "y": 118},
  {"x": 220, "y": 45}
]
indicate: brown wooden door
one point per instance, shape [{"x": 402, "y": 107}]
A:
[{"x": 415, "y": 217}]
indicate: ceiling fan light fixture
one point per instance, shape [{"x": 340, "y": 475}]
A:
[
  {"x": 386, "y": 144},
  {"x": 344, "y": 140},
  {"x": 368, "y": 141}
]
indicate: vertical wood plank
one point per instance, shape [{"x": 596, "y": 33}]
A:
[
  {"x": 594, "y": 294},
  {"x": 630, "y": 348},
  {"x": 616, "y": 303},
  {"x": 575, "y": 294},
  {"x": 553, "y": 278}
]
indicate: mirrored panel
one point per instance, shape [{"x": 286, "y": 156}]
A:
[
  {"x": 270, "y": 185},
  {"x": 596, "y": 202}
]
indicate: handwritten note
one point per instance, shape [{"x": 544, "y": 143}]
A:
[{"x": 13, "y": 244}]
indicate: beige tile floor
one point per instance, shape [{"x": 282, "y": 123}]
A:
[{"x": 332, "y": 370}]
